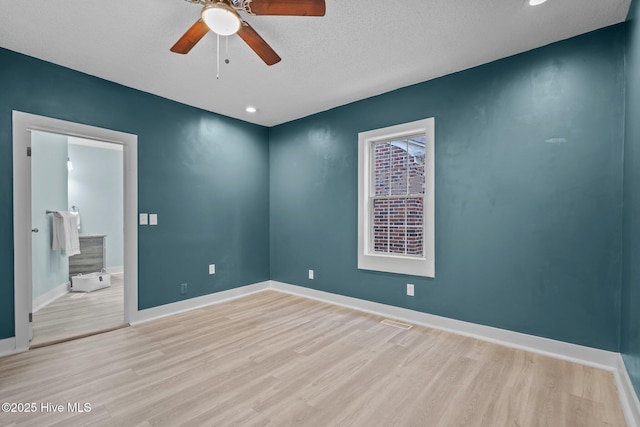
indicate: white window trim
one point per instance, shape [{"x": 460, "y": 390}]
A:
[{"x": 367, "y": 260}]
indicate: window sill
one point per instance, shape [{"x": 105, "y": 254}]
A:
[{"x": 397, "y": 264}]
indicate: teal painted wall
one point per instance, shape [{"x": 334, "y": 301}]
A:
[
  {"x": 630, "y": 337},
  {"x": 205, "y": 175},
  {"x": 528, "y": 189},
  {"x": 528, "y": 193},
  {"x": 50, "y": 269},
  {"x": 96, "y": 188}
]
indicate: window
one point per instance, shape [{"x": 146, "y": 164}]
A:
[{"x": 396, "y": 199}]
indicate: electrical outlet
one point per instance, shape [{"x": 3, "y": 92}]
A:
[
  {"x": 183, "y": 288},
  {"x": 212, "y": 269},
  {"x": 410, "y": 289},
  {"x": 311, "y": 274}
]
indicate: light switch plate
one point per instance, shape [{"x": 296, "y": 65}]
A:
[
  {"x": 144, "y": 219},
  {"x": 153, "y": 219},
  {"x": 311, "y": 274},
  {"x": 212, "y": 269},
  {"x": 410, "y": 289}
]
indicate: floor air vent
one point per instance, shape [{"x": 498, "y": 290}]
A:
[{"x": 396, "y": 324}]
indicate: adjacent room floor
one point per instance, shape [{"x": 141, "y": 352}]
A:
[
  {"x": 275, "y": 359},
  {"x": 80, "y": 313}
]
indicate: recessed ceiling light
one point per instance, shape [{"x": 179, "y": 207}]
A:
[
  {"x": 251, "y": 109},
  {"x": 536, "y": 2}
]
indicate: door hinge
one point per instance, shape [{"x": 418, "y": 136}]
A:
[
  {"x": 28, "y": 151},
  {"x": 30, "y": 317}
]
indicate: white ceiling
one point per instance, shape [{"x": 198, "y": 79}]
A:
[{"x": 359, "y": 49}]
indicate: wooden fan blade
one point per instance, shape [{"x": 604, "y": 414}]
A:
[
  {"x": 191, "y": 37},
  {"x": 257, "y": 43},
  {"x": 288, "y": 7}
]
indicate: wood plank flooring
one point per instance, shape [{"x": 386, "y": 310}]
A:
[
  {"x": 79, "y": 314},
  {"x": 272, "y": 359}
]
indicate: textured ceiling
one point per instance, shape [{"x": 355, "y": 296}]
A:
[{"x": 359, "y": 49}]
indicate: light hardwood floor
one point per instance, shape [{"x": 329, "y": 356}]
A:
[
  {"x": 79, "y": 314},
  {"x": 276, "y": 359}
]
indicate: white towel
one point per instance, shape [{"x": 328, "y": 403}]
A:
[
  {"x": 77, "y": 215},
  {"x": 65, "y": 233}
]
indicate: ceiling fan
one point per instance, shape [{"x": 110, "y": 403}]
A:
[{"x": 222, "y": 17}]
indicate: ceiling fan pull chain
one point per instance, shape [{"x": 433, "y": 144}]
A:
[{"x": 217, "y": 56}]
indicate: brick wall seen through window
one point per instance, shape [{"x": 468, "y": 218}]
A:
[{"x": 398, "y": 196}]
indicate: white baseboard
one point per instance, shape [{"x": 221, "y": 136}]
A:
[
  {"x": 50, "y": 296},
  {"x": 198, "y": 302},
  {"x": 115, "y": 270}
]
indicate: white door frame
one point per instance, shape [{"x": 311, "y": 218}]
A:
[{"x": 23, "y": 124}]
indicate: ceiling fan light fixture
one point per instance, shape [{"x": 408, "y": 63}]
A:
[
  {"x": 536, "y": 2},
  {"x": 221, "y": 18}
]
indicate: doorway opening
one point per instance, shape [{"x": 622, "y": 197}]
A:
[
  {"x": 76, "y": 294},
  {"x": 106, "y": 206}
]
